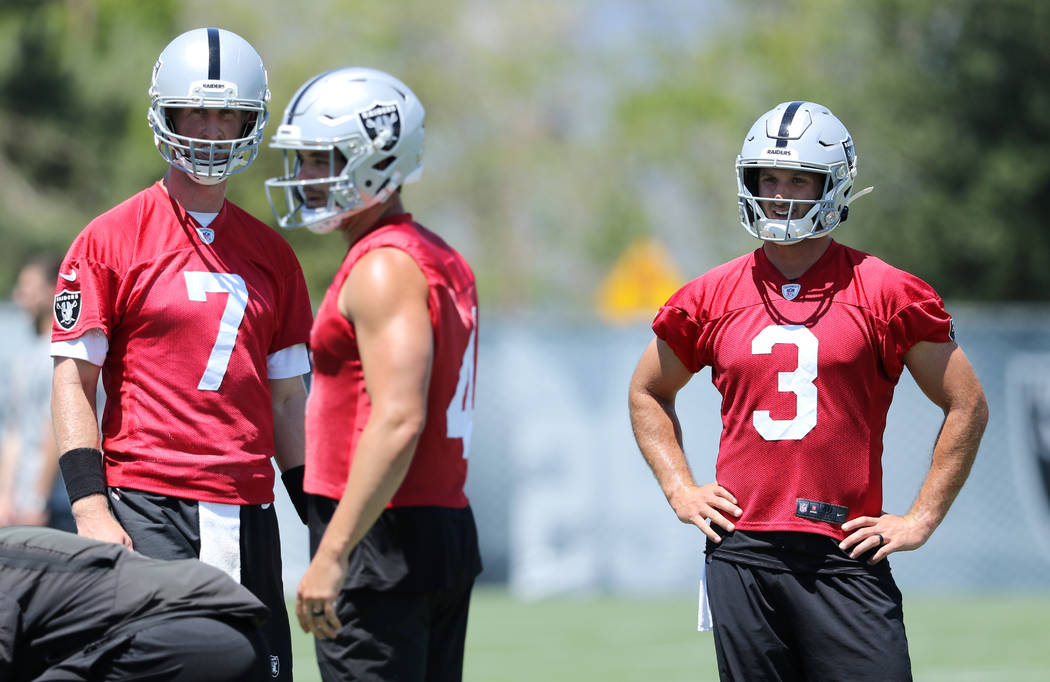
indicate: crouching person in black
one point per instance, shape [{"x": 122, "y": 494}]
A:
[{"x": 72, "y": 608}]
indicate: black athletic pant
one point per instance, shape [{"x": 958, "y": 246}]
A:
[
  {"x": 780, "y": 625},
  {"x": 427, "y": 630},
  {"x": 177, "y": 649}
]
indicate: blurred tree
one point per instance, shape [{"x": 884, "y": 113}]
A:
[
  {"x": 67, "y": 116},
  {"x": 963, "y": 93},
  {"x": 943, "y": 98},
  {"x": 559, "y": 132}
]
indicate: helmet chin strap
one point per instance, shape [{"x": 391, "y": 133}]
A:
[
  {"x": 207, "y": 181},
  {"x": 858, "y": 195}
]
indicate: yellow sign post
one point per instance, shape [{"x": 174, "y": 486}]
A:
[{"x": 640, "y": 281}]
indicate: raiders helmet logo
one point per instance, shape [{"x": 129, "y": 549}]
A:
[
  {"x": 790, "y": 291},
  {"x": 850, "y": 151},
  {"x": 67, "y": 309},
  {"x": 383, "y": 120}
]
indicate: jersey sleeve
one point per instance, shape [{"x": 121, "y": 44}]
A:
[
  {"x": 296, "y": 314},
  {"x": 921, "y": 320},
  {"x": 85, "y": 295},
  {"x": 679, "y": 330}
]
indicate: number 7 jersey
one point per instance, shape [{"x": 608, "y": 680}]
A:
[
  {"x": 806, "y": 370},
  {"x": 191, "y": 315}
]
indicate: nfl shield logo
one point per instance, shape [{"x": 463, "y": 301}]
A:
[
  {"x": 67, "y": 309},
  {"x": 206, "y": 234},
  {"x": 790, "y": 291},
  {"x": 383, "y": 117}
]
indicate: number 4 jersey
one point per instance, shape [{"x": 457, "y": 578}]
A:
[
  {"x": 191, "y": 315},
  {"x": 806, "y": 370},
  {"x": 339, "y": 407}
]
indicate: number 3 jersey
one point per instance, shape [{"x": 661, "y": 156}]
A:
[
  {"x": 191, "y": 315},
  {"x": 806, "y": 370},
  {"x": 338, "y": 407}
]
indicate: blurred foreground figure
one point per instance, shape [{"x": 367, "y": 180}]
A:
[
  {"x": 806, "y": 340},
  {"x": 77, "y": 609},
  {"x": 388, "y": 423}
]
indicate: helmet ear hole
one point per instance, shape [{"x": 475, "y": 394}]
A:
[
  {"x": 249, "y": 123},
  {"x": 751, "y": 180}
]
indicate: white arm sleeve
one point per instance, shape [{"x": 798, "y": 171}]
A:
[
  {"x": 288, "y": 362},
  {"x": 92, "y": 346}
]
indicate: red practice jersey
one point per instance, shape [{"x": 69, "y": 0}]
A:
[
  {"x": 338, "y": 406},
  {"x": 191, "y": 315},
  {"x": 806, "y": 370}
]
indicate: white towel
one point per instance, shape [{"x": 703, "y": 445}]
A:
[
  {"x": 220, "y": 526},
  {"x": 703, "y": 612}
]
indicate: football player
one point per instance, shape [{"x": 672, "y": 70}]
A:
[
  {"x": 196, "y": 317},
  {"x": 806, "y": 339},
  {"x": 393, "y": 542}
]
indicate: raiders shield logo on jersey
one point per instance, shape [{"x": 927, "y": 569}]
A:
[
  {"x": 67, "y": 309},
  {"x": 380, "y": 119}
]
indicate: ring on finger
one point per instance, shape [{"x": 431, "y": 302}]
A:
[{"x": 882, "y": 540}]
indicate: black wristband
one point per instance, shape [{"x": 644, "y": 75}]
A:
[
  {"x": 293, "y": 483},
  {"x": 82, "y": 473}
]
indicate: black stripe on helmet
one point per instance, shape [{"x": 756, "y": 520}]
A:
[
  {"x": 213, "y": 54},
  {"x": 785, "y": 123},
  {"x": 302, "y": 93}
]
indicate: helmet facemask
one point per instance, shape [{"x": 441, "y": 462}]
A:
[
  {"x": 209, "y": 162},
  {"x": 340, "y": 191},
  {"x": 821, "y": 215}
]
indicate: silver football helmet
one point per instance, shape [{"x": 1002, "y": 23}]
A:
[
  {"x": 803, "y": 136},
  {"x": 370, "y": 124},
  {"x": 209, "y": 68}
]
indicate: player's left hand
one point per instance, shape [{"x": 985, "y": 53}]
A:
[
  {"x": 885, "y": 534},
  {"x": 316, "y": 596}
]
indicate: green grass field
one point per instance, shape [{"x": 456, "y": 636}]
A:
[{"x": 956, "y": 639}]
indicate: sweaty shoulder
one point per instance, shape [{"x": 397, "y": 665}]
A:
[{"x": 430, "y": 251}]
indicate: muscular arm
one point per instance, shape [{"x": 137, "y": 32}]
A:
[
  {"x": 75, "y": 419},
  {"x": 651, "y": 400},
  {"x": 385, "y": 297},
  {"x": 945, "y": 375}
]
